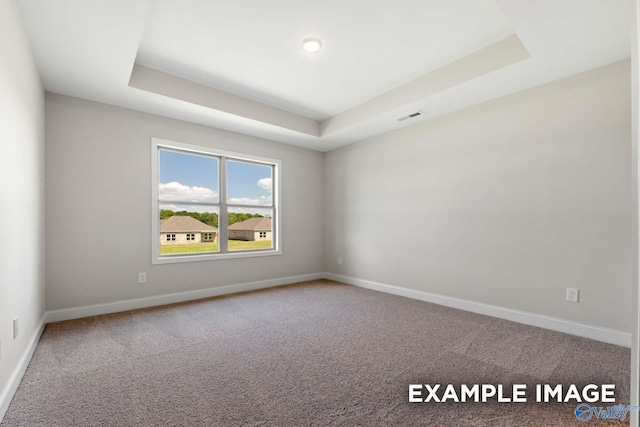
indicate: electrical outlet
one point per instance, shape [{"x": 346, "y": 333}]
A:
[
  {"x": 15, "y": 327},
  {"x": 142, "y": 277},
  {"x": 339, "y": 260},
  {"x": 573, "y": 294}
]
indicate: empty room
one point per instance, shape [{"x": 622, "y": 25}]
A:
[{"x": 295, "y": 213}]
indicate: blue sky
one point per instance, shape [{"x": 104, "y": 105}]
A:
[
  {"x": 188, "y": 169},
  {"x": 193, "y": 178},
  {"x": 248, "y": 180}
]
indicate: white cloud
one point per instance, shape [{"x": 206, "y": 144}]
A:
[
  {"x": 265, "y": 184},
  {"x": 176, "y": 192},
  {"x": 188, "y": 208},
  {"x": 262, "y": 200}
]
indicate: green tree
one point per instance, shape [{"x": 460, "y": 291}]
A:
[{"x": 166, "y": 213}]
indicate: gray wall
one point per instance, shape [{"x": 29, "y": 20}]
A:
[
  {"x": 98, "y": 196},
  {"x": 507, "y": 203},
  {"x": 21, "y": 190},
  {"x": 635, "y": 108}
]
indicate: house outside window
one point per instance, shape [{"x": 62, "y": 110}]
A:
[{"x": 199, "y": 194}]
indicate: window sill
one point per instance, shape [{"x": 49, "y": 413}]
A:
[{"x": 172, "y": 259}]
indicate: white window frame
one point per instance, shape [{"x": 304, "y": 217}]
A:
[{"x": 224, "y": 253}]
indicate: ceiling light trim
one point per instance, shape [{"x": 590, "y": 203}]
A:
[{"x": 312, "y": 45}]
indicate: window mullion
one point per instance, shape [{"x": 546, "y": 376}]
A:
[{"x": 223, "y": 222}]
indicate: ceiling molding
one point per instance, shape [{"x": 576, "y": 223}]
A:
[
  {"x": 502, "y": 53},
  {"x": 373, "y": 69},
  {"x": 507, "y": 51},
  {"x": 150, "y": 80}
]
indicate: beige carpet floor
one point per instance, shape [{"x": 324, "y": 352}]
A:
[{"x": 315, "y": 353}]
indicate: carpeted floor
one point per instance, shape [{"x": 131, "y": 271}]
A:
[{"x": 316, "y": 353}]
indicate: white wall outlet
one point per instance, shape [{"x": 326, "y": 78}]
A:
[
  {"x": 573, "y": 294},
  {"x": 142, "y": 277},
  {"x": 15, "y": 327},
  {"x": 339, "y": 260}
]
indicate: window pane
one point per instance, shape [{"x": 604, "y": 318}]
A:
[
  {"x": 188, "y": 229},
  {"x": 187, "y": 178},
  {"x": 250, "y": 229},
  {"x": 249, "y": 183}
]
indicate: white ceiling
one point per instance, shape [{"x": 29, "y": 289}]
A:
[
  {"x": 239, "y": 65},
  {"x": 370, "y": 47}
]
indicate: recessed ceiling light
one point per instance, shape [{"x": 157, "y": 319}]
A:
[{"x": 311, "y": 45}]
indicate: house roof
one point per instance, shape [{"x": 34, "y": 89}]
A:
[
  {"x": 252, "y": 224},
  {"x": 183, "y": 224}
]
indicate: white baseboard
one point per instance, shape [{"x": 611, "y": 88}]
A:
[
  {"x": 132, "y": 304},
  {"x": 14, "y": 380},
  {"x": 96, "y": 309},
  {"x": 587, "y": 331},
  {"x": 597, "y": 333},
  {"x": 547, "y": 322}
]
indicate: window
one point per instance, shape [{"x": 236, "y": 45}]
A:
[{"x": 226, "y": 197}]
